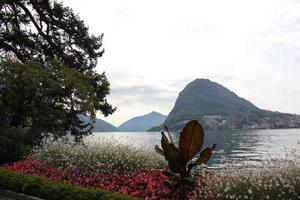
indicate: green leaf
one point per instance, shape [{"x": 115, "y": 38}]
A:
[
  {"x": 191, "y": 140},
  {"x": 159, "y": 150}
]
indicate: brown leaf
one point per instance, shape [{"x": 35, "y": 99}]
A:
[
  {"x": 159, "y": 150},
  {"x": 172, "y": 155},
  {"x": 191, "y": 140},
  {"x": 205, "y": 155}
]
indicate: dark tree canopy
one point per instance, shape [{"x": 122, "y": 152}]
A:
[
  {"x": 47, "y": 74},
  {"x": 41, "y": 30},
  {"x": 43, "y": 101},
  {"x": 47, "y": 98}
]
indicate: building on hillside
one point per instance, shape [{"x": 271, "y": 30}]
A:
[{"x": 211, "y": 117}]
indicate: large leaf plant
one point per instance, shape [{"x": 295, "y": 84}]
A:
[{"x": 180, "y": 159}]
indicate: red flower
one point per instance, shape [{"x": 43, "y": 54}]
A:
[{"x": 148, "y": 184}]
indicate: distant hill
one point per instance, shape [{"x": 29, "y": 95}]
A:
[
  {"x": 100, "y": 125},
  {"x": 143, "y": 123},
  {"x": 219, "y": 108}
]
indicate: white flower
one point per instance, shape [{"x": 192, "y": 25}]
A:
[
  {"x": 250, "y": 191},
  {"x": 227, "y": 188}
]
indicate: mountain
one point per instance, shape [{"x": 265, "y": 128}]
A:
[
  {"x": 216, "y": 107},
  {"x": 143, "y": 123},
  {"x": 100, "y": 125}
]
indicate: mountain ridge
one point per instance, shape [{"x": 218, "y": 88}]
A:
[
  {"x": 143, "y": 122},
  {"x": 217, "y": 107},
  {"x": 99, "y": 125}
]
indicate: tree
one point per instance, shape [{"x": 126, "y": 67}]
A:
[
  {"x": 41, "y": 30},
  {"x": 44, "y": 97},
  {"x": 47, "y": 71}
]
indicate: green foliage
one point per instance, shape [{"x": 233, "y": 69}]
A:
[
  {"x": 43, "y": 188},
  {"x": 190, "y": 143},
  {"x": 46, "y": 98},
  {"x": 40, "y": 31},
  {"x": 38, "y": 101},
  {"x": 40, "y": 97},
  {"x": 12, "y": 147}
]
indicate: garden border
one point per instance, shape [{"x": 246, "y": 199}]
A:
[{"x": 41, "y": 187}]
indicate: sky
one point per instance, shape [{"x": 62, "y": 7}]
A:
[{"x": 154, "y": 48}]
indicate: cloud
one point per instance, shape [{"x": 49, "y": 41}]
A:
[
  {"x": 138, "y": 100},
  {"x": 124, "y": 12},
  {"x": 142, "y": 94},
  {"x": 154, "y": 48},
  {"x": 221, "y": 77}
]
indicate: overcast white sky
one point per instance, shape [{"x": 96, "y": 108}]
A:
[{"x": 154, "y": 48}]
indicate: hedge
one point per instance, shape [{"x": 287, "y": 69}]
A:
[{"x": 46, "y": 189}]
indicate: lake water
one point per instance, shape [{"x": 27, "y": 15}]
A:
[{"x": 234, "y": 147}]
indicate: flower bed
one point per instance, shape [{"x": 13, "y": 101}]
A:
[
  {"x": 275, "y": 181},
  {"x": 147, "y": 184},
  {"x": 19, "y": 185},
  {"x": 132, "y": 171},
  {"x": 107, "y": 165}
]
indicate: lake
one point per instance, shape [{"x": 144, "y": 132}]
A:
[{"x": 234, "y": 147}]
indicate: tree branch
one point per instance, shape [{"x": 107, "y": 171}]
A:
[
  {"x": 10, "y": 48},
  {"x": 37, "y": 26},
  {"x": 16, "y": 16}
]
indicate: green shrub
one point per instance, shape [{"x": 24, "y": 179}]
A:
[
  {"x": 13, "y": 145},
  {"x": 105, "y": 156},
  {"x": 43, "y": 188}
]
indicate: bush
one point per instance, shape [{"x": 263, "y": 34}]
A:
[
  {"x": 105, "y": 156},
  {"x": 43, "y": 188},
  {"x": 12, "y": 145}
]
